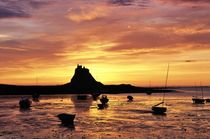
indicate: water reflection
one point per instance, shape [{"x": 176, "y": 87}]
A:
[
  {"x": 121, "y": 120},
  {"x": 25, "y": 110},
  {"x": 82, "y": 102}
]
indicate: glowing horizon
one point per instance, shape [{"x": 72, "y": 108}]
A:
[{"x": 120, "y": 41}]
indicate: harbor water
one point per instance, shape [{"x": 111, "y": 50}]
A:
[{"x": 122, "y": 119}]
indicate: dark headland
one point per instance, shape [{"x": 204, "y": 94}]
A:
[{"x": 82, "y": 82}]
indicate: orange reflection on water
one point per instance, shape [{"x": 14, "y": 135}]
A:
[{"x": 122, "y": 119}]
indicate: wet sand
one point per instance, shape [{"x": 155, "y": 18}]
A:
[{"x": 121, "y": 119}]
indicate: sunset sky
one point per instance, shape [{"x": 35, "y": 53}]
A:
[{"x": 120, "y": 41}]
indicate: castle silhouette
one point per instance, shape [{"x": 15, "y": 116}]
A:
[{"x": 82, "y": 81}]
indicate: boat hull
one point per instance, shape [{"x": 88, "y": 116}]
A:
[
  {"x": 130, "y": 98},
  {"x": 104, "y": 100},
  {"x": 159, "y": 110},
  {"x": 67, "y": 119},
  {"x": 208, "y": 100},
  {"x": 25, "y": 104},
  {"x": 198, "y": 100},
  {"x": 102, "y": 106}
]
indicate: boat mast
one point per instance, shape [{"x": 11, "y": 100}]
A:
[
  {"x": 201, "y": 90},
  {"x": 166, "y": 82},
  {"x": 196, "y": 91}
]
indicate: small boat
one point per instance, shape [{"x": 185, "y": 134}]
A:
[
  {"x": 198, "y": 100},
  {"x": 67, "y": 119},
  {"x": 207, "y": 100},
  {"x": 104, "y": 100},
  {"x": 156, "y": 109},
  {"x": 36, "y": 96},
  {"x": 25, "y": 103},
  {"x": 101, "y": 106},
  {"x": 130, "y": 98}
]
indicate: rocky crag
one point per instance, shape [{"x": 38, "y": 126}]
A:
[{"x": 82, "y": 81}]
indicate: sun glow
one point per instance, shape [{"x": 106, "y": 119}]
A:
[{"x": 119, "y": 41}]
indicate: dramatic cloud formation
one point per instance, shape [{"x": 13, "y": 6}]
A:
[
  {"x": 86, "y": 13},
  {"x": 6, "y": 12},
  {"x": 19, "y": 8},
  {"x": 116, "y": 39}
]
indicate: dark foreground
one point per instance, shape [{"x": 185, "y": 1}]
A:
[{"x": 121, "y": 119}]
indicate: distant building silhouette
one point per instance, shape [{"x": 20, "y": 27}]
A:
[{"x": 83, "y": 81}]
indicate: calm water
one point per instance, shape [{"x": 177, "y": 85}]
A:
[{"x": 121, "y": 119}]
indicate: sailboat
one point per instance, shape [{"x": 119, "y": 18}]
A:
[
  {"x": 197, "y": 100},
  {"x": 161, "y": 109}
]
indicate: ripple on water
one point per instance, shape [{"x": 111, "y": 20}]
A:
[{"x": 120, "y": 120}]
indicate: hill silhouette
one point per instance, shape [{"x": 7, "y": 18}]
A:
[{"x": 81, "y": 82}]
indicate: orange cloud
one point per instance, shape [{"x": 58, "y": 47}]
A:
[
  {"x": 87, "y": 13},
  {"x": 135, "y": 39}
]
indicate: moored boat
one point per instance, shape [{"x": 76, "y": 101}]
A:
[
  {"x": 159, "y": 109},
  {"x": 25, "y": 103},
  {"x": 36, "y": 96},
  {"x": 198, "y": 100},
  {"x": 207, "y": 100},
  {"x": 156, "y": 109},
  {"x": 130, "y": 98},
  {"x": 67, "y": 119},
  {"x": 104, "y": 100},
  {"x": 101, "y": 106}
]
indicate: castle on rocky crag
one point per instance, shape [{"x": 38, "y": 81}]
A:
[{"x": 82, "y": 80}]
